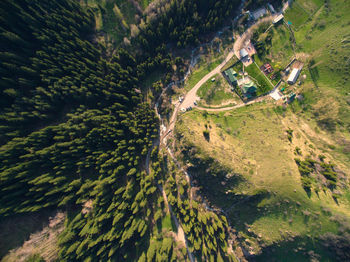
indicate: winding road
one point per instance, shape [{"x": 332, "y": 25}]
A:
[{"x": 191, "y": 96}]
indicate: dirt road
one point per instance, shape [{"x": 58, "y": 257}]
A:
[
  {"x": 257, "y": 100},
  {"x": 191, "y": 96}
]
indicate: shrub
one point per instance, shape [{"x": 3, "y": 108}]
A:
[{"x": 206, "y": 135}]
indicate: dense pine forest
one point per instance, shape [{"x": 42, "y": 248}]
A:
[{"x": 74, "y": 129}]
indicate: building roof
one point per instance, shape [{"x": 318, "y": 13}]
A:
[
  {"x": 294, "y": 75},
  {"x": 259, "y": 13},
  {"x": 243, "y": 53},
  {"x": 231, "y": 74},
  {"x": 278, "y": 18},
  {"x": 249, "y": 88}
]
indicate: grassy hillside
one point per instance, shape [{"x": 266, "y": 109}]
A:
[
  {"x": 324, "y": 45},
  {"x": 270, "y": 206}
]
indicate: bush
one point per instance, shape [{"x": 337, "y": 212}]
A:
[{"x": 206, "y": 135}]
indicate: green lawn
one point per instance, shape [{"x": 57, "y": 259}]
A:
[
  {"x": 215, "y": 93},
  {"x": 326, "y": 39},
  {"x": 310, "y": 6},
  {"x": 264, "y": 86}
]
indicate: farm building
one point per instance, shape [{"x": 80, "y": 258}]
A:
[
  {"x": 231, "y": 74},
  {"x": 293, "y": 76},
  {"x": 243, "y": 53},
  {"x": 278, "y": 19},
  {"x": 259, "y": 13}
]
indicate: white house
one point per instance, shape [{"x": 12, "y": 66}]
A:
[
  {"x": 278, "y": 19},
  {"x": 293, "y": 76},
  {"x": 243, "y": 53}
]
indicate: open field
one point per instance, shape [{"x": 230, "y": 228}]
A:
[
  {"x": 272, "y": 203},
  {"x": 217, "y": 93},
  {"x": 325, "y": 42},
  {"x": 301, "y": 10}
]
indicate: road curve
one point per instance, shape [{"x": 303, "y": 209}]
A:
[{"x": 191, "y": 96}]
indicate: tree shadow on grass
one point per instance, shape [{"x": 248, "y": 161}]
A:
[
  {"x": 213, "y": 180},
  {"x": 294, "y": 249},
  {"x": 16, "y": 229}
]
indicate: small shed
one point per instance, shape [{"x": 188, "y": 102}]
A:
[
  {"x": 243, "y": 53},
  {"x": 293, "y": 76}
]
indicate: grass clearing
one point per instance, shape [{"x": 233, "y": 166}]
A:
[
  {"x": 113, "y": 17},
  {"x": 201, "y": 70},
  {"x": 326, "y": 39},
  {"x": 217, "y": 92},
  {"x": 167, "y": 223}
]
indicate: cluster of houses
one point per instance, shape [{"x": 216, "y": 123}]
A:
[{"x": 246, "y": 85}]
